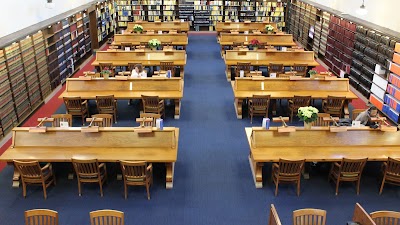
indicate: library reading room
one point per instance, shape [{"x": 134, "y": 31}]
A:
[{"x": 200, "y": 112}]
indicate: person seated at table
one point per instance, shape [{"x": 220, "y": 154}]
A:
[
  {"x": 365, "y": 117},
  {"x": 138, "y": 72}
]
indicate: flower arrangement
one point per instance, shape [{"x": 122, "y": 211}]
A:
[
  {"x": 255, "y": 43},
  {"x": 106, "y": 72},
  {"x": 312, "y": 73},
  {"x": 138, "y": 28},
  {"x": 269, "y": 28},
  {"x": 154, "y": 43},
  {"x": 307, "y": 114}
]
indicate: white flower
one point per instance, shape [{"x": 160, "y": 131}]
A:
[
  {"x": 138, "y": 27},
  {"x": 269, "y": 27}
]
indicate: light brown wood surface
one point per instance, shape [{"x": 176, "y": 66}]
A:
[
  {"x": 135, "y": 39},
  {"x": 242, "y": 26},
  {"x": 133, "y": 88},
  {"x": 110, "y": 144},
  {"x": 227, "y": 39},
  {"x": 360, "y": 216},
  {"x": 318, "y": 144},
  {"x": 164, "y": 26},
  {"x": 146, "y": 58},
  {"x": 282, "y": 88}
]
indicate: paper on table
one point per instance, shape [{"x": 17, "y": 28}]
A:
[
  {"x": 273, "y": 75},
  {"x": 64, "y": 124},
  {"x": 241, "y": 73},
  {"x": 262, "y": 86}
]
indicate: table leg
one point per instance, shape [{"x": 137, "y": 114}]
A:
[
  {"x": 256, "y": 169},
  {"x": 238, "y": 108},
  {"x": 16, "y": 177},
  {"x": 169, "y": 180},
  {"x": 182, "y": 72},
  {"x": 177, "y": 108},
  {"x": 346, "y": 109},
  {"x": 228, "y": 73}
]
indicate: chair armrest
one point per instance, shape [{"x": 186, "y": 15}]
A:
[
  {"x": 336, "y": 164},
  {"x": 149, "y": 167},
  {"x": 102, "y": 165},
  {"x": 275, "y": 165},
  {"x": 384, "y": 165},
  {"x": 84, "y": 102},
  {"x": 290, "y": 101},
  {"x": 47, "y": 166}
]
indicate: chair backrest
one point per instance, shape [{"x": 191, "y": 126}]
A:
[
  {"x": 154, "y": 116},
  {"x": 260, "y": 100},
  {"x": 386, "y": 217},
  {"x": 393, "y": 166},
  {"x": 262, "y": 45},
  {"x": 105, "y": 102},
  {"x": 355, "y": 113},
  {"x": 134, "y": 170},
  {"x": 164, "y": 65},
  {"x": 320, "y": 120},
  {"x": 61, "y": 118},
  {"x": 86, "y": 167},
  {"x": 105, "y": 66},
  {"x": 237, "y": 44},
  {"x": 166, "y": 43},
  {"x": 290, "y": 167},
  {"x": 143, "y": 43},
  {"x": 352, "y": 167},
  {"x": 301, "y": 101},
  {"x": 107, "y": 120},
  {"x": 335, "y": 102},
  {"x": 126, "y": 45},
  {"x": 131, "y": 66},
  {"x": 273, "y": 216},
  {"x": 150, "y": 101},
  {"x": 29, "y": 170},
  {"x": 309, "y": 217},
  {"x": 41, "y": 217},
  {"x": 276, "y": 68},
  {"x": 300, "y": 69},
  {"x": 245, "y": 66},
  {"x": 106, "y": 217},
  {"x": 284, "y": 75},
  {"x": 73, "y": 103}
]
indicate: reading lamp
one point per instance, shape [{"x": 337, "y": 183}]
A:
[
  {"x": 362, "y": 10},
  {"x": 50, "y": 4}
]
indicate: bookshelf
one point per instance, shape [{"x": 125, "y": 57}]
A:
[
  {"x": 106, "y": 20},
  {"x": 201, "y": 14}
]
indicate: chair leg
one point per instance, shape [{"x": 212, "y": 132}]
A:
[
  {"x": 383, "y": 183},
  {"x": 83, "y": 120},
  {"x": 44, "y": 190},
  {"x": 101, "y": 188},
  {"x": 358, "y": 186},
  {"x": 337, "y": 186},
  {"x": 24, "y": 189},
  {"x": 79, "y": 188},
  {"x": 291, "y": 116},
  {"x": 126, "y": 190},
  {"x": 148, "y": 190},
  {"x": 298, "y": 187},
  {"x": 276, "y": 187}
]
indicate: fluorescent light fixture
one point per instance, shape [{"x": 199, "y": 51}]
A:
[
  {"x": 362, "y": 10},
  {"x": 50, "y": 4}
]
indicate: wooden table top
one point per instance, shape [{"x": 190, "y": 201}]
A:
[
  {"x": 143, "y": 62},
  {"x": 270, "y": 39},
  {"x": 124, "y": 94},
  {"x": 135, "y": 39},
  {"x": 323, "y": 153}
]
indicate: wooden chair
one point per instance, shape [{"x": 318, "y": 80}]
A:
[
  {"x": 320, "y": 120},
  {"x": 127, "y": 45},
  {"x": 154, "y": 116},
  {"x": 284, "y": 75},
  {"x": 296, "y": 103},
  {"x": 309, "y": 217},
  {"x": 391, "y": 172},
  {"x": 245, "y": 66},
  {"x": 45, "y": 216},
  {"x": 77, "y": 107},
  {"x": 152, "y": 104},
  {"x": 237, "y": 45},
  {"x": 273, "y": 216},
  {"x": 355, "y": 113},
  {"x": 106, "y": 217},
  {"x": 333, "y": 105},
  {"x": 262, "y": 45},
  {"x": 166, "y": 43},
  {"x": 90, "y": 171},
  {"x": 144, "y": 44},
  {"x": 107, "y": 105},
  {"x": 107, "y": 120},
  {"x": 349, "y": 170},
  {"x": 137, "y": 173},
  {"x": 300, "y": 69},
  {"x": 276, "y": 68},
  {"x": 165, "y": 66},
  {"x": 258, "y": 105},
  {"x": 287, "y": 171},
  {"x": 61, "y": 118},
  {"x": 32, "y": 173},
  {"x": 386, "y": 217}
]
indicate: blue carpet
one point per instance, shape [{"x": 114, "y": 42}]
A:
[{"x": 213, "y": 182}]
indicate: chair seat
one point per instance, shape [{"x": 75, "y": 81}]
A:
[{"x": 138, "y": 179}]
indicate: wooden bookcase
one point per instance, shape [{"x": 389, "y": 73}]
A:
[{"x": 106, "y": 20}]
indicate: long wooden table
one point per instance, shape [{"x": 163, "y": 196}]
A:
[
  {"x": 163, "y": 26},
  {"x": 264, "y": 58},
  {"x": 146, "y": 58},
  {"x": 227, "y": 39},
  {"x": 133, "y": 88},
  {"x": 110, "y": 144},
  {"x": 179, "y": 39},
  {"x": 283, "y": 88},
  {"x": 318, "y": 145},
  {"x": 243, "y": 26}
]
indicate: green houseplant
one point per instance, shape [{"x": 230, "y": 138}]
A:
[
  {"x": 105, "y": 73},
  {"x": 269, "y": 28},
  {"x": 154, "y": 43},
  {"x": 138, "y": 28},
  {"x": 308, "y": 114},
  {"x": 312, "y": 73}
]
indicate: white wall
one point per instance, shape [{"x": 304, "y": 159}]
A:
[
  {"x": 384, "y": 13},
  {"x": 19, "y": 14}
]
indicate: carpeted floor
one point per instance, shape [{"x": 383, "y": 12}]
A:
[{"x": 213, "y": 182}]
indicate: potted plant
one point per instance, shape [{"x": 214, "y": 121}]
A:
[
  {"x": 308, "y": 114},
  {"x": 269, "y": 28},
  {"x": 254, "y": 44},
  {"x": 312, "y": 73},
  {"x": 138, "y": 28},
  {"x": 106, "y": 73},
  {"x": 154, "y": 44}
]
